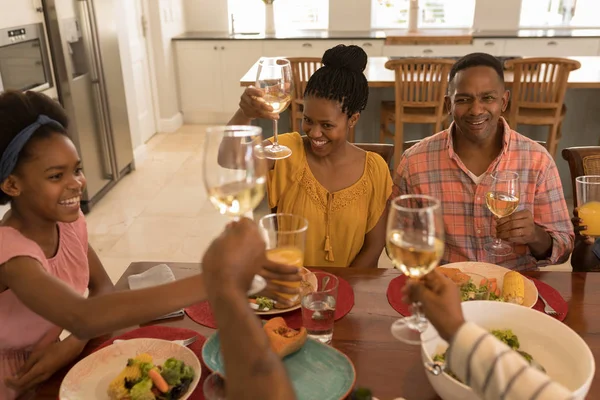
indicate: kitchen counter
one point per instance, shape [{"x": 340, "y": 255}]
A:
[{"x": 423, "y": 34}]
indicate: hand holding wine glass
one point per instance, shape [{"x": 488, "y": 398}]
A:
[
  {"x": 274, "y": 78},
  {"x": 415, "y": 244},
  {"x": 502, "y": 200}
]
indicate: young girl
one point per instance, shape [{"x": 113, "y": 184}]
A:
[
  {"x": 340, "y": 189},
  {"x": 46, "y": 263}
]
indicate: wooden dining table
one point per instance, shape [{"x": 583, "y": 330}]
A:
[
  {"x": 386, "y": 366},
  {"x": 586, "y": 77}
]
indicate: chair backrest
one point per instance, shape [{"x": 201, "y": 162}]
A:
[
  {"x": 539, "y": 83},
  {"x": 582, "y": 161},
  {"x": 302, "y": 70},
  {"x": 421, "y": 82},
  {"x": 385, "y": 150}
]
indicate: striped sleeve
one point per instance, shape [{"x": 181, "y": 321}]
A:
[{"x": 494, "y": 371}]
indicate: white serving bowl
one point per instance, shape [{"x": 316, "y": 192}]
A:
[{"x": 562, "y": 352}]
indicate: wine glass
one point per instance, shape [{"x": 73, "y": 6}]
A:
[
  {"x": 415, "y": 244},
  {"x": 274, "y": 77},
  {"x": 214, "y": 387},
  {"x": 502, "y": 200},
  {"x": 235, "y": 173},
  {"x": 235, "y": 169}
]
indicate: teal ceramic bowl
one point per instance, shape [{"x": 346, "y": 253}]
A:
[{"x": 317, "y": 371}]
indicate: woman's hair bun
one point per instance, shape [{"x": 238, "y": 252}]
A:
[{"x": 352, "y": 58}]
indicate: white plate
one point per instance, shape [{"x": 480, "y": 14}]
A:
[
  {"x": 310, "y": 277},
  {"x": 496, "y": 271},
  {"x": 90, "y": 377},
  {"x": 258, "y": 285}
]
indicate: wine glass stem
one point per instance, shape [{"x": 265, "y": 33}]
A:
[
  {"x": 275, "y": 142},
  {"x": 416, "y": 312}
]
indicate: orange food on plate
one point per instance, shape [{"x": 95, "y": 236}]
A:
[
  {"x": 456, "y": 275},
  {"x": 284, "y": 340}
]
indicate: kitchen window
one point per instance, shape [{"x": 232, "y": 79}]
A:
[
  {"x": 393, "y": 14},
  {"x": 249, "y": 15},
  {"x": 560, "y": 13}
]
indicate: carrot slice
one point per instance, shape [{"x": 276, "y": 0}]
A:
[{"x": 158, "y": 380}]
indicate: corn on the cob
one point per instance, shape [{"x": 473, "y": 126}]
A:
[
  {"x": 132, "y": 373},
  {"x": 513, "y": 288}
]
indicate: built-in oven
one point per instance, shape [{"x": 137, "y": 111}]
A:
[{"x": 24, "y": 63}]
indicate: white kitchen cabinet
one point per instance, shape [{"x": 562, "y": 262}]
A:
[
  {"x": 209, "y": 73},
  {"x": 552, "y": 47},
  {"x": 490, "y": 46},
  {"x": 373, "y": 48},
  {"x": 299, "y": 48}
]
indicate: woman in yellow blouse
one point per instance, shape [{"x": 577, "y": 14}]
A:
[{"x": 340, "y": 189}]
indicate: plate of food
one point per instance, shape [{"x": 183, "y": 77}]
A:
[
  {"x": 267, "y": 306},
  {"x": 502, "y": 283},
  {"x": 134, "y": 369},
  {"x": 317, "y": 371}
]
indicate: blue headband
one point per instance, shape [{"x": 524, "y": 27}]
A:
[{"x": 9, "y": 159}]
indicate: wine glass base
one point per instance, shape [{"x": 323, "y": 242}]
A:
[
  {"x": 407, "y": 331},
  {"x": 278, "y": 152},
  {"x": 502, "y": 249}
]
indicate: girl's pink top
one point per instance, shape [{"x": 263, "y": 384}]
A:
[{"x": 21, "y": 329}]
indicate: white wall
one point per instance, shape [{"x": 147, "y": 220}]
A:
[
  {"x": 19, "y": 12},
  {"x": 492, "y": 15},
  {"x": 166, "y": 21},
  {"x": 349, "y": 15},
  {"x": 206, "y": 15}
]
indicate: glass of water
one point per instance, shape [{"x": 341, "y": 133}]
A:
[
  {"x": 214, "y": 387},
  {"x": 318, "y": 307}
]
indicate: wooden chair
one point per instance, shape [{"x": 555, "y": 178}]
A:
[
  {"x": 385, "y": 150},
  {"x": 420, "y": 87},
  {"x": 302, "y": 70},
  {"x": 583, "y": 161},
  {"x": 538, "y": 92}
]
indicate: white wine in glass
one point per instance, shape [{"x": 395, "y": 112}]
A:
[
  {"x": 502, "y": 200},
  {"x": 235, "y": 173},
  {"x": 235, "y": 169},
  {"x": 274, "y": 78},
  {"x": 415, "y": 244}
]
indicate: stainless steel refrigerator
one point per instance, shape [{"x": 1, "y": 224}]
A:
[{"x": 84, "y": 48}]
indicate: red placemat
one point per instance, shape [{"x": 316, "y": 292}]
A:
[
  {"x": 394, "y": 295},
  {"x": 168, "y": 333},
  {"x": 202, "y": 313},
  {"x": 554, "y": 299}
]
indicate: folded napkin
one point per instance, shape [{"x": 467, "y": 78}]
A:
[{"x": 157, "y": 275}]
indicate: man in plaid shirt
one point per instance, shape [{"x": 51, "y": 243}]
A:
[{"x": 455, "y": 166}]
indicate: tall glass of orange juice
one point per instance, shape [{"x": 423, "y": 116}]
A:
[
  {"x": 285, "y": 236},
  {"x": 588, "y": 201}
]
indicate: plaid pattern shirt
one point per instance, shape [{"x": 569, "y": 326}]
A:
[{"x": 432, "y": 167}]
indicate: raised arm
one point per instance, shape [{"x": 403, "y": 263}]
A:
[
  {"x": 90, "y": 317},
  {"x": 254, "y": 371}
]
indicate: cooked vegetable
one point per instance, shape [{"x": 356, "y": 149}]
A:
[
  {"x": 470, "y": 291},
  {"x": 142, "y": 390},
  {"x": 264, "y": 303},
  {"x": 158, "y": 380},
  {"x": 142, "y": 380},
  {"x": 507, "y": 337},
  {"x": 513, "y": 288}
]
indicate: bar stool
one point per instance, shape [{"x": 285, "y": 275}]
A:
[
  {"x": 419, "y": 90},
  {"x": 538, "y": 93},
  {"x": 302, "y": 70}
]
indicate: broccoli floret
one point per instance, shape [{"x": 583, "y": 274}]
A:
[
  {"x": 508, "y": 337},
  {"x": 142, "y": 390},
  {"x": 175, "y": 371}
]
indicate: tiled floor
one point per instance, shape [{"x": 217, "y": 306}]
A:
[{"x": 160, "y": 212}]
